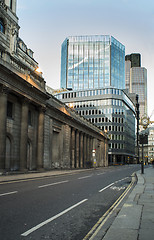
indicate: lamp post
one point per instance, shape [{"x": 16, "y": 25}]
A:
[
  {"x": 143, "y": 140},
  {"x": 138, "y": 118}
]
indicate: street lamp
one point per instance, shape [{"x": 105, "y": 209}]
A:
[{"x": 71, "y": 105}]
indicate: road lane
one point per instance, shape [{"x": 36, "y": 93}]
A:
[
  {"x": 52, "y": 218},
  {"x": 33, "y": 205}
]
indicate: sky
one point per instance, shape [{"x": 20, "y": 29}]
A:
[{"x": 44, "y": 25}]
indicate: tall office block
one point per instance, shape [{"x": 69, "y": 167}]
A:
[
  {"x": 93, "y": 75},
  {"x": 92, "y": 62},
  {"x": 135, "y": 59},
  {"x": 136, "y": 80},
  {"x": 112, "y": 111}
]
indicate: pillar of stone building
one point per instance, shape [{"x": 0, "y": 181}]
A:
[
  {"x": 106, "y": 153},
  {"x": 98, "y": 153},
  {"x": 84, "y": 150},
  {"x": 91, "y": 147},
  {"x": 77, "y": 149},
  {"x": 24, "y": 135},
  {"x": 81, "y": 150},
  {"x": 3, "y": 118},
  {"x": 101, "y": 150},
  {"x": 66, "y": 146},
  {"x": 72, "y": 148},
  {"x": 87, "y": 148},
  {"x": 40, "y": 141}
]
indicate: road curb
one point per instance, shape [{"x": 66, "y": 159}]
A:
[
  {"x": 94, "y": 233},
  {"x": 33, "y": 176}
]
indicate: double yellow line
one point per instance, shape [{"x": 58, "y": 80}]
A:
[{"x": 97, "y": 227}]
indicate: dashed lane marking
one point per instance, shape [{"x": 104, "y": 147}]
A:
[
  {"x": 85, "y": 177},
  {"x": 106, "y": 187},
  {"x": 97, "y": 227},
  {"x": 52, "y": 218},
  {"x": 52, "y": 184},
  {"x": 9, "y": 193},
  {"x": 100, "y": 174}
]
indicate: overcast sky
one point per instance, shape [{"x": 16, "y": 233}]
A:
[{"x": 44, "y": 25}]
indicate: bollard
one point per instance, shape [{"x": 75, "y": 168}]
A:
[{"x": 142, "y": 167}]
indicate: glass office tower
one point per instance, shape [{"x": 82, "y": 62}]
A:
[
  {"x": 92, "y": 62},
  {"x": 112, "y": 111},
  {"x": 93, "y": 77},
  {"x": 136, "y": 80}
]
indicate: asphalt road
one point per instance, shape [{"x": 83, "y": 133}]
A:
[{"x": 62, "y": 207}]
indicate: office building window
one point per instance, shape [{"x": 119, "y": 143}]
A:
[
  {"x": 2, "y": 27},
  {"x": 11, "y": 4}
]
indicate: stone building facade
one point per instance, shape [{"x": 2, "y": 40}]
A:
[
  {"x": 36, "y": 130},
  {"x": 72, "y": 139}
]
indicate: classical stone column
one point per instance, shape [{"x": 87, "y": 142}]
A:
[
  {"x": 81, "y": 150},
  {"x": 3, "y": 115},
  {"x": 106, "y": 153},
  {"x": 72, "y": 148},
  {"x": 40, "y": 141},
  {"x": 87, "y": 148},
  {"x": 84, "y": 150},
  {"x": 24, "y": 135},
  {"x": 66, "y": 146},
  {"x": 77, "y": 149}
]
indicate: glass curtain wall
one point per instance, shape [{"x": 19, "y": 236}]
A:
[{"x": 92, "y": 62}]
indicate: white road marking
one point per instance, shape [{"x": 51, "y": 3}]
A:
[
  {"x": 85, "y": 177},
  {"x": 52, "y": 218},
  {"x": 100, "y": 174},
  {"x": 4, "y": 194},
  {"x": 117, "y": 188},
  {"x": 106, "y": 187},
  {"x": 98, "y": 226},
  {"x": 52, "y": 184},
  {"x": 121, "y": 179},
  {"x": 113, "y": 184}
]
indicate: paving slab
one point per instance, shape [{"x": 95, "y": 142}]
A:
[
  {"x": 146, "y": 198},
  {"x": 146, "y": 235},
  {"x": 128, "y": 217},
  {"x": 121, "y": 234}
]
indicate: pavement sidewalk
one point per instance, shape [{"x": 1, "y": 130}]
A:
[
  {"x": 135, "y": 221},
  {"x": 36, "y": 174}
]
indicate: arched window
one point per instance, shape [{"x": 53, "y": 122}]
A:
[{"x": 2, "y": 27}]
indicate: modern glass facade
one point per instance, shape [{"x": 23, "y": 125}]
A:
[
  {"x": 93, "y": 70},
  {"x": 136, "y": 80},
  {"x": 92, "y": 62},
  {"x": 111, "y": 110}
]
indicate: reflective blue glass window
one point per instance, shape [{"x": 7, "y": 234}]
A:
[{"x": 2, "y": 27}]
